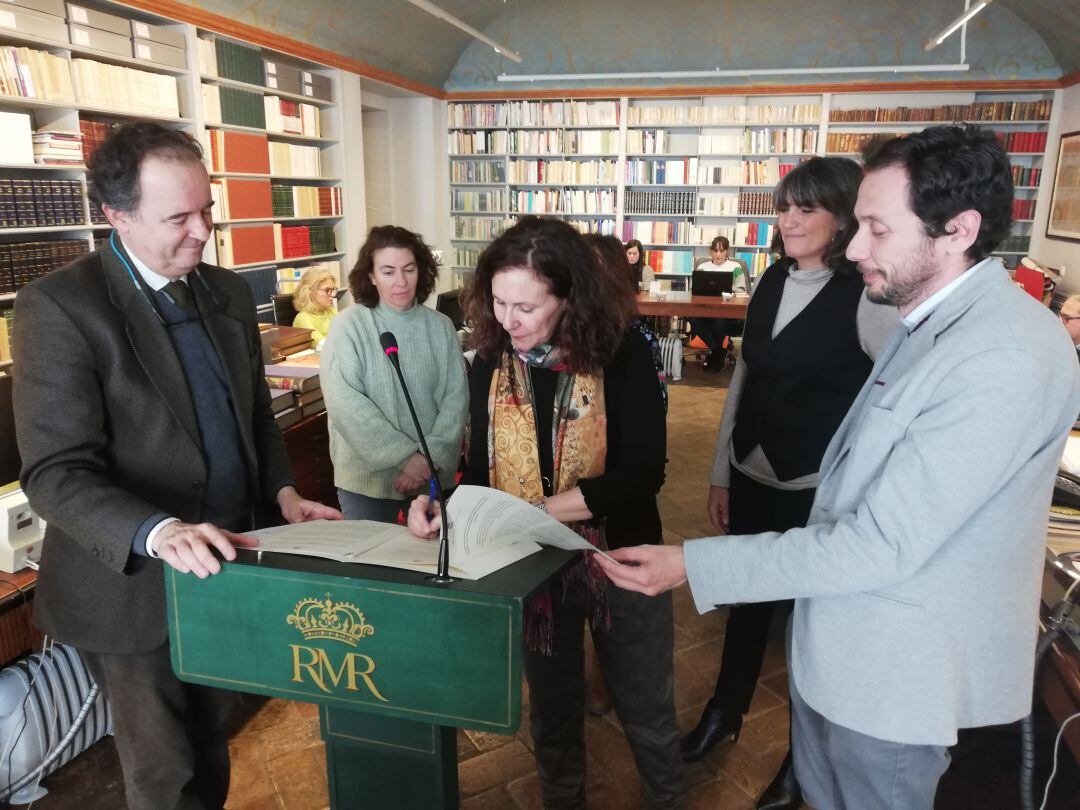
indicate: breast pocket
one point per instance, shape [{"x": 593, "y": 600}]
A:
[{"x": 864, "y": 455}]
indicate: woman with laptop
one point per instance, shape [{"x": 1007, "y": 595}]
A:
[
  {"x": 715, "y": 331},
  {"x": 809, "y": 343}
]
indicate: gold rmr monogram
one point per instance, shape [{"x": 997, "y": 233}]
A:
[{"x": 341, "y": 622}]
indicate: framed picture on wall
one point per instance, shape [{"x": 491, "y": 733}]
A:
[{"x": 1064, "y": 220}]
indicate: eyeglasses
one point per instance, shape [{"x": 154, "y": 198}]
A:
[
  {"x": 1067, "y": 318},
  {"x": 327, "y": 290}
]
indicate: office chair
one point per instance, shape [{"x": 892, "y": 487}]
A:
[{"x": 283, "y": 309}]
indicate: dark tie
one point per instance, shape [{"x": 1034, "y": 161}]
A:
[{"x": 180, "y": 294}]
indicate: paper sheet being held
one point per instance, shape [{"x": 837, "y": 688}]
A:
[{"x": 481, "y": 517}]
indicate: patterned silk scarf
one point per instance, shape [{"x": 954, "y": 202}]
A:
[{"x": 579, "y": 444}]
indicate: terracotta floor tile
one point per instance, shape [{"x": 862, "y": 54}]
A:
[
  {"x": 491, "y": 768},
  {"x": 717, "y": 794},
  {"x": 300, "y": 779}
]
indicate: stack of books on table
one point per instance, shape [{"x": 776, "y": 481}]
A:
[{"x": 295, "y": 392}]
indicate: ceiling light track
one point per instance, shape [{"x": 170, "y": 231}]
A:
[{"x": 435, "y": 11}]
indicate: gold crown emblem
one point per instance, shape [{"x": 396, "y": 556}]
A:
[{"x": 339, "y": 621}]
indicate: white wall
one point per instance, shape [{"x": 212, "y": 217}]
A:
[
  {"x": 1057, "y": 252},
  {"x": 413, "y": 183}
]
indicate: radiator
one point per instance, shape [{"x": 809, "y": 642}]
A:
[
  {"x": 34, "y": 717},
  {"x": 671, "y": 350}
]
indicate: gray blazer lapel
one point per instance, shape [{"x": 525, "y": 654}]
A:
[
  {"x": 226, "y": 331},
  {"x": 839, "y": 445},
  {"x": 150, "y": 341}
]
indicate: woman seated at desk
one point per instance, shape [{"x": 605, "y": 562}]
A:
[
  {"x": 715, "y": 331},
  {"x": 315, "y": 303}
]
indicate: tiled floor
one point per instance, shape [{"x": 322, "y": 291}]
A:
[{"x": 278, "y": 758}]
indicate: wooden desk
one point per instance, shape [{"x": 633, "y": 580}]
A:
[{"x": 694, "y": 306}]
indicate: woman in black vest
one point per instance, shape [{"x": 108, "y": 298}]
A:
[{"x": 808, "y": 347}]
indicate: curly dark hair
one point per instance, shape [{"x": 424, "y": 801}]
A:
[
  {"x": 113, "y": 172},
  {"x": 597, "y": 311},
  {"x": 831, "y": 183},
  {"x": 953, "y": 169},
  {"x": 613, "y": 261},
  {"x": 391, "y": 236}
]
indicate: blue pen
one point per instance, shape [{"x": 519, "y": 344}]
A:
[{"x": 432, "y": 494}]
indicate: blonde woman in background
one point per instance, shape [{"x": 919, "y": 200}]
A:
[{"x": 315, "y": 303}]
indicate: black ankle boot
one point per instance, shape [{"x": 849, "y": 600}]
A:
[
  {"x": 715, "y": 725},
  {"x": 783, "y": 793}
]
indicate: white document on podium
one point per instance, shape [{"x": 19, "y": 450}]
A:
[{"x": 489, "y": 530}]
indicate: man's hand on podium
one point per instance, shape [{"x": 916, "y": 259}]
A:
[{"x": 188, "y": 547}]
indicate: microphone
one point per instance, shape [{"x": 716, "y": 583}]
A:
[{"x": 442, "y": 573}]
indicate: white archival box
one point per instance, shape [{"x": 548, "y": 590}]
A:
[{"x": 21, "y": 532}]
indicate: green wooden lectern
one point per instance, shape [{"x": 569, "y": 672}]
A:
[{"x": 395, "y": 662}]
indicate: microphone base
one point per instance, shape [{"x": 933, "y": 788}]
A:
[{"x": 440, "y": 580}]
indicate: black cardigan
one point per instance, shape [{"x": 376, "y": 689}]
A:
[{"x": 636, "y": 434}]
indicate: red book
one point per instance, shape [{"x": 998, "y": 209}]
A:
[{"x": 247, "y": 198}]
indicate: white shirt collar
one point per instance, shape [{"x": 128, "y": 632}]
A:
[
  {"x": 152, "y": 280},
  {"x": 923, "y": 310}
]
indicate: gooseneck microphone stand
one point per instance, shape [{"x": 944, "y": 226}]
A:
[{"x": 442, "y": 572}]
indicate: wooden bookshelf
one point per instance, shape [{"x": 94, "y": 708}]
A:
[{"x": 689, "y": 123}]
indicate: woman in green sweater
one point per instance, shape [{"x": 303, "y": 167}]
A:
[
  {"x": 378, "y": 465},
  {"x": 314, "y": 302}
]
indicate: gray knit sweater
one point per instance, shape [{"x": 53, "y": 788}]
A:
[{"x": 371, "y": 432}]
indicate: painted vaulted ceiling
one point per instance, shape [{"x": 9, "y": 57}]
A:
[{"x": 1012, "y": 39}]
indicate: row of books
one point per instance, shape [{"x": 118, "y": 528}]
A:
[
  {"x": 305, "y": 201},
  {"x": 786, "y": 140},
  {"x": 757, "y": 261},
  {"x": 480, "y": 142},
  {"x": 292, "y": 117},
  {"x": 253, "y": 153},
  {"x": 231, "y": 105},
  {"x": 1026, "y": 176},
  {"x": 670, "y": 261},
  {"x": 854, "y": 142},
  {"x": 483, "y": 201},
  {"x": 250, "y": 244},
  {"x": 756, "y": 203},
  {"x": 1017, "y": 243},
  {"x": 29, "y": 73},
  {"x": 477, "y": 171},
  {"x": 1023, "y": 141},
  {"x": 1023, "y": 208},
  {"x": 732, "y": 114},
  {"x": 93, "y": 134},
  {"x": 22, "y": 262},
  {"x": 257, "y": 198},
  {"x": 535, "y": 114},
  {"x": 718, "y": 205},
  {"x": 754, "y": 233},
  {"x": 231, "y": 60},
  {"x": 647, "y": 142},
  {"x": 294, "y": 160},
  {"x": 26, "y": 203},
  {"x": 980, "y": 111},
  {"x": 484, "y": 228},
  {"x": 605, "y": 227},
  {"x": 561, "y": 172},
  {"x": 669, "y": 232},
  {"x": 688, "y": 171},
  {"x": 125, "y": 89},
  {"x": 563, "y": 201},
  {"x": 660, "y": 202},
  {"x": 466, "y": 256}
]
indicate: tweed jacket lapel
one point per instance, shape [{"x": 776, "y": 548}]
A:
[{"x": 150, "y": 341}]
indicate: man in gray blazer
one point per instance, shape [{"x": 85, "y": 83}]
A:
[
  {"x": 917, "y": 577},
  {"x": 144, "y": 424}
]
